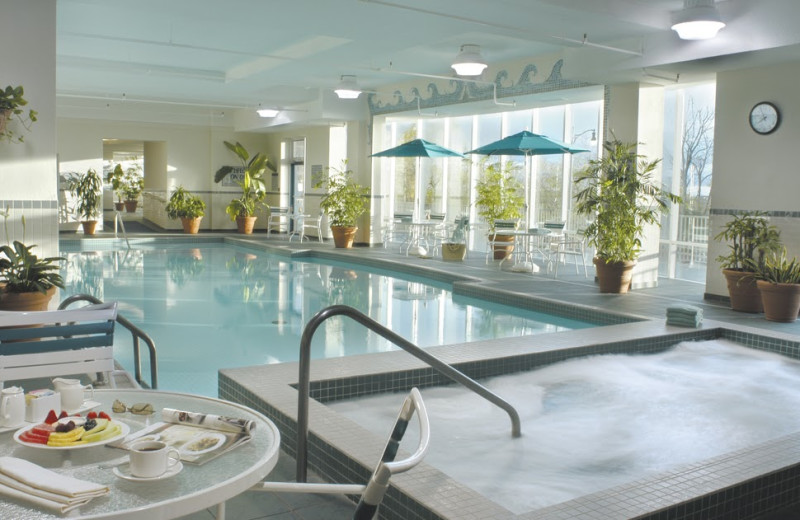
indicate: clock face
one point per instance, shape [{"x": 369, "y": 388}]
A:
[{"x": 764, "y": 118}]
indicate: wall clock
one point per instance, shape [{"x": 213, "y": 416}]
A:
[{"x": 764, "y": 118}]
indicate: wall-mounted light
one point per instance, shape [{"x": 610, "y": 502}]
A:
[
  {"x": 469, "y": 61},
  {"x": 698, "y": 20},
  {"x": 592, "y": 139},
  {"x": 267, "y": 112},
  {"x": 347, "y": 88}
]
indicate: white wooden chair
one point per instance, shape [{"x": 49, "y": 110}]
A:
[
  {"x": 373, "y": 492},
  {"x": 304, "y": 223},
  {"x": 278, "y": 219},
  {"x": 55, "y": 343}
]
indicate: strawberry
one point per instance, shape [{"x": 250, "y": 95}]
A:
[
  {"x": 91, "y": 415},
  {"x": 104, "y": 415},
  {"x": 51, "y": 417},
  {"x": 63, "y": 414}
]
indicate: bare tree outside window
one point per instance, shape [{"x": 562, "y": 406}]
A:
[{"x": 698, "y": 154}]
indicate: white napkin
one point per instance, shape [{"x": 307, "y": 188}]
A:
[{"x": 26, "y": 481}]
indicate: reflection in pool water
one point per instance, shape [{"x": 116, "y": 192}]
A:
[{"x": 217, "y": 306}]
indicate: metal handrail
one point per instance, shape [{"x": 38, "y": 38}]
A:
[
  {"x": 305, "y": 375},
  {"x": 136, "y": 333},
  {"x": 118, "y": 219}
]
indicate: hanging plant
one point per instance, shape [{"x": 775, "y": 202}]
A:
[{"x": 11, "y": 103}]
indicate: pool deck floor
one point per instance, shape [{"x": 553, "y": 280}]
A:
[{"x": 569, "y": 287}]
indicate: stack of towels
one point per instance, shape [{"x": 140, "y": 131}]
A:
[
  {"x": 684, "y": 316},
  {"x": 25, "y": 481}
]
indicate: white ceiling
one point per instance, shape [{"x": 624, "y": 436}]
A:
[{"x": 190, "y": 61}]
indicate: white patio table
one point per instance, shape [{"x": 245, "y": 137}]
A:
[{"x": 193, "y": 489}]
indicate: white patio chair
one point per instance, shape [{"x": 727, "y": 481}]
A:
[
  {"x": 303, "y": 223},
  {"x": 499, "y": 226},
  {"x": 569, "y": 245},
  {"x": 278, "y": 219},
  {"x": 56, "y": 343},
  {"x": 373, "y": 492}
]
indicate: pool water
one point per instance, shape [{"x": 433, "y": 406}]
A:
[
  {"x": 591, "y": 423},
  {"x": 217, "y": 306}
]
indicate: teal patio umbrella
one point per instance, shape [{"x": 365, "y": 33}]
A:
[
  {"x": 418, "y": 148},
  {"x": 527, "y": 144}
]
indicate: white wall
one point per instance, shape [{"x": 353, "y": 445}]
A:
[
  {"x": 751, "y": 171},
  {"x": 28, "y": 181}
]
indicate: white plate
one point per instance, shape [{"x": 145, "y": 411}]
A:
[
  {"x": 85, "y": 407},
  {"x": 125, "y": 430},
  {"x": 210, "y": 442},
  {"x": 124, "y": 472}
]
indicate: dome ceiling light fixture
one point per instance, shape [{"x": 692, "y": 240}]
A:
[
  {"x": 348, "y": 88},
  {"x": 267, "y": 112},
  {"x": 469, "y": 61},
  {"x": 698, "y": 20}
]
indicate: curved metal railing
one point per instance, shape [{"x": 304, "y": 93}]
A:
[
  {"x": 374, "y": 326},
  {"x": 136, "y": 333}
]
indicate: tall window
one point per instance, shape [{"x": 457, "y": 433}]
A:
[{"x": 687, "y": 164}]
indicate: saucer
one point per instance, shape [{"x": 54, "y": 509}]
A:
[
  {"x": 124, "y": 472},
  {"x": 87, "y": 405}
]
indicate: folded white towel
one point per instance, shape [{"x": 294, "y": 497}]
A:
[{"x": 26, "y": 481}]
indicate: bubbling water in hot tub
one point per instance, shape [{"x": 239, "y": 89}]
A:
[{"x": 595, "y": 422}]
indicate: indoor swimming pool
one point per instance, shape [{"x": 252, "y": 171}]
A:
[{"x": 215, "y": 305}]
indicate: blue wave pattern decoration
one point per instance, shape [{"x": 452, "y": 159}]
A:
[{"x": 468, "y": 91}]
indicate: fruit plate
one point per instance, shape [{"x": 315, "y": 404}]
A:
[{"x": 124, "y": 430}]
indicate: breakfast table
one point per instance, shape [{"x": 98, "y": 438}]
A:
[{"x": 193, "y": 488}]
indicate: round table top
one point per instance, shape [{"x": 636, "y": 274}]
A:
[{"x": 193, "y": 489}]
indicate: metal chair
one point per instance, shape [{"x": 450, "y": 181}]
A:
[
  {"x": 279, "y": 218},
  {"x": 397, "y": 230},
  {"x": 56, "y": 343},
  {"x": 373, "y": 492},
  {"x": 306, "y": 222},
  {"x": 499, "y": 226},
  {"x": 570, "y": 244}
]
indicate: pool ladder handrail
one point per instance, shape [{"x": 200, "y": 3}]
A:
[
  {"x": 118, "y": 220},
  {"x": 439, "y": 365},
  {"x": 136, "y": 333}
]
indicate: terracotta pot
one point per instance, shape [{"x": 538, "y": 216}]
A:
[
  {"x": 614, "y": 277},
  {"x": 781, "y": 300},
  {"x": 502, "y": 251},
  {"x": 742, "y": 289},
  {"x": 454, "y": 252},
  {"x": 343, "y": 236},
  {"x": 89, "y": 226},
  {"x": 245, "y": 225},
  {"x": 192, "y": 225},
  {"x": 130, "y": 205},
  {"x": 119, "y": 206},
  {"x": 29, "y": 301}
]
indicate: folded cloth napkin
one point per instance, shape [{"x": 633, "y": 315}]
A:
[{"x": 26, "y": 481}]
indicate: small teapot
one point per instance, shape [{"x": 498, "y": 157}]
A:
[
  {"x": 12, "y": 406},
  {"x": 72, "y": 393},
  {"x": 60, "y": 383}
]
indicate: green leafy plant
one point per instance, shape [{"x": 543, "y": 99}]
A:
[
  {"x": 751, "y": 238},
  {"x": 252, "y": 183},
  {"x": 22, "y": 271},
  {"x": 498, "y": 193},
  {"x": 11, "y": 103},
  {"x": 618, "y": 192},
  {"x": 775, "y": 268},
  {"x": 88, "y": 190},
  {"x": 182, "y": 204},
  {"x": 132, "y": 183},
  {"x": 116, "y": 178},
  {"x": 345, "y": 200}
]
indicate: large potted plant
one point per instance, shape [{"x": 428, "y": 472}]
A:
[
  {"x": 11, "y": 103},
  {"x": 132, "y": 187},
  {"x": 778, "y": 281},
  {"x": 187, "y": 207},
  {"x": 242, "y": 210},
  {"x": 618, "y": 192},
  {"x": 88, "y": 190},
  {"x": 116, "y": 178},
  {"x": 750, "y": 239},
  {"x": 499, "y": 196},
  {"x": 27, "y": 282},
  {"x": 344, "y": 202}
]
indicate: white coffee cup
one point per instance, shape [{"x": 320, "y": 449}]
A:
[
  {"x": 12, "y": 407},
  {"x": 72, "y": 393},
  {"x": 149, "y": 459}
]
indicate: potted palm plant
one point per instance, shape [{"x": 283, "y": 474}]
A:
[
  {"x": 750, "y": 239},
  {"x": 499, "y": 196},
  {"x": 187, "y": 207},
  {"x": 778, "y": 281},
  {"x": 27, "y": 282},
  {"x": 344, "y": 202},
  {"x": 88, "y": 190},
  {"x": 618, "y": 192},
  {"x": 242, "y": 210},
  {"x": 132, "y": 187},
  {"x": 11, "y": 103}
]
